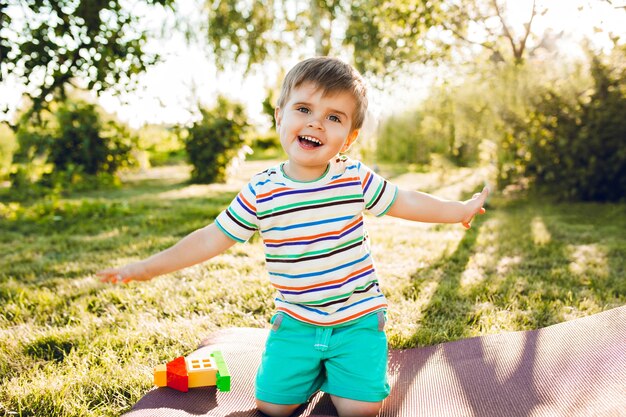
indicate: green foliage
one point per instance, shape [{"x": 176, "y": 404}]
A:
[
  {"x": 379, "y": 35},
  {"x": 401, "y": 139},
  {"x": 75, "y": 147},
  {"x": 241, "y": 30},
  {"x": 163, "y": 144},
  {"x": 269, "y": 106},
  {"x": 267, "y": 141},
  {"x": 576, "y": 147},
  {"x": 558, "y": 130},
  {"x": 385, "y": 35},
  {"x": 447, "y": 123},
  {"x": 47, "y": 43},
  {"x": 87, "y": 142},
  {"x": 215, "y": 140},
  {"x": 8, "y": 145}
]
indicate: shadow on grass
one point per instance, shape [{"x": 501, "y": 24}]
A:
[
  {"x": 72, "y": 238},
  {"x": 448, "y": 317},
  {"x": 451, "y": 270},
  {"x": 539, "y": 287}
]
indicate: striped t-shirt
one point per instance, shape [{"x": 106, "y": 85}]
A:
[{"x": 316, "y": 247}]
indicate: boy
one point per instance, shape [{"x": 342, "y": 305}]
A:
[{"x": 328, "y": 330}]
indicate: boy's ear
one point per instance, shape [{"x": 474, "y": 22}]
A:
[
  {"x": 277, "y": 116},
  {"x": 351, "y": 138}
]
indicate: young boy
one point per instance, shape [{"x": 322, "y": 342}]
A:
[{"x": 328, "y": 330}]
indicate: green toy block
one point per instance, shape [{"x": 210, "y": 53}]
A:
[{"x": 223, "y": 376}]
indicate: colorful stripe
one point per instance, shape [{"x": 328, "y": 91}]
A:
[
  {"x": 310, "y": 205},
  {"x": 333, "y": 322},
  {"x": 285, "y": 191},
  {"x": 318, "y": 273},
  {"x": 326, "y": 287},
  {"x": 316, "y": 251},
  {"x": 308, "y": 224},
  {"x": 306, "y": 240},
  {"x": 310, "y": 255}
]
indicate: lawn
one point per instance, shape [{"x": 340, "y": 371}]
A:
[{"x": 72, "y": 346}]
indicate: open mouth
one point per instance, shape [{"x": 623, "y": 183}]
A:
[{"x": 309, "y": 141}]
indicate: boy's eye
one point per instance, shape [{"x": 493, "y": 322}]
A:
[
  {"x": 334, "y": 118},
  {"x": 303, "y": 110}
]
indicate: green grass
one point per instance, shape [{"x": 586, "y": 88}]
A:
[{"x": 71, "y": 346}]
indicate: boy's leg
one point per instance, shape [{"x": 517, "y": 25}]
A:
[
  {"x": 291, "y": 369},
  {"x": 356, "y": 367},
  {"x": 352, "y": 408},
  {"x": 276, "y": 410}
]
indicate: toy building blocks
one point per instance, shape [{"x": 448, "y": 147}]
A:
[{"x": 184, "y": 373}]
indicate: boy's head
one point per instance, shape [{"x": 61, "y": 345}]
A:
[{"x": 332, "y": 76}]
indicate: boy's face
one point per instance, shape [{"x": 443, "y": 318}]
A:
[{"x": 313, "y": 128}]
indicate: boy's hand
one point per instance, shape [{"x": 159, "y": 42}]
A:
[
  {"x": 131, "y": 272},
  {"x": 475, "y": 206}
]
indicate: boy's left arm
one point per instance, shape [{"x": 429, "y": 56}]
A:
[{"x": 422, "y": 207}]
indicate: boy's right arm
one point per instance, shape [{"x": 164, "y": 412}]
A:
[{"x": 198, "y": 246}]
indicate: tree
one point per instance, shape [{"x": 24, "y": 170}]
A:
[
  {"x": 485, "y": 23},
  {"x": 379, "y": 35},
  {"x": 50, "y": 44}
]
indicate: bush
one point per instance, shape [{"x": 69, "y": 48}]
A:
[
  {"x": 162, "y": 144},
  {"x": 576, "y": 149},
  {"x": 8, "y": 144},
  {"x": 87, "y": 143},
  {"x": 215, "y": 140},
  {"x": 450, "y": 122},
  {"x": 72, "y": 147}
]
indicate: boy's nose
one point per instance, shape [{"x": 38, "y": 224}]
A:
[{"x": 315, "y": 123}]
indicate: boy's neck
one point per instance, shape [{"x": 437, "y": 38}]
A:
[{"x": 303, "y": 173}]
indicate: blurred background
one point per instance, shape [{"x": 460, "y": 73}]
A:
[
  {"x": 127, "y": 124},
  {"x": 533, "y": 89}
]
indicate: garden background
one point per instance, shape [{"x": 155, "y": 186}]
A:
[{"x": 496, "y": 94}]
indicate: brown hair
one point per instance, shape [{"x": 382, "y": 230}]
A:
[{"x": 332, "y": 76}]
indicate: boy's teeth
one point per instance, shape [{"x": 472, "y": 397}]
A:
[{"x": 311, "y": 139}]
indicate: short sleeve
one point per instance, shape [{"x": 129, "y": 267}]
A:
[
  {"x": 239, "y": 220},
  {"x": 378, "y": 193}
]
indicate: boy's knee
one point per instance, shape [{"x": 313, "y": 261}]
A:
[
  {"x": 352, "y": 408},
  {"x": 276, "y": 410}
]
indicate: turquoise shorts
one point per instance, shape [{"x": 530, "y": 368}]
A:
[{"x": 348, "y": 361}]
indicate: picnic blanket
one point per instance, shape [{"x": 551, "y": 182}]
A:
[{"x": 575, "y": 368}]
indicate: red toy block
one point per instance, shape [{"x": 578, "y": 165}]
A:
[{"x": 177, "y": 374}]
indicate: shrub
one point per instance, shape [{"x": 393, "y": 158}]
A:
[
  {"x": 72, "y": 145},
  {"x": 402, "y": 139},
  {"x": 449, "y": 122},
  {"x": 576, "y": 148},
  {"x": 215, "y": 140},
  {"x": 162, "y": 144},
  {"x": 8, "y": 144},
  {"x": 85, "y": 141}
]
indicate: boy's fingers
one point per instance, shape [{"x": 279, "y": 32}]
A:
[
  {"x": 484, "y": 193},
  {"x": 111, "y": 277},
  {"x": 482, "y": 210}
]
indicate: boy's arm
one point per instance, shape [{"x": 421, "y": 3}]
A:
[
  {"x": 422, "y": 207},
  {"x": 196, "y": 247}
]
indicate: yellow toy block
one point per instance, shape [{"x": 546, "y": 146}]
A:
[
  {"x": 183, "y": 373},
  {"x": 160, "y": 375},
  {"x": 202, "y": 372}
]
